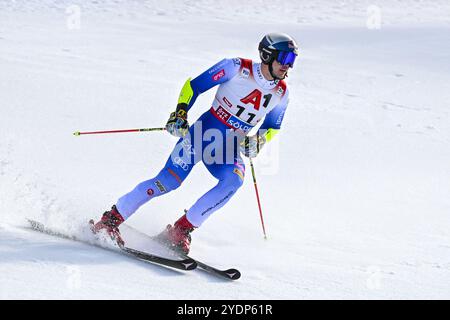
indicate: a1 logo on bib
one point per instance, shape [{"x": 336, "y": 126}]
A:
[{"x": 255, "y": 97}]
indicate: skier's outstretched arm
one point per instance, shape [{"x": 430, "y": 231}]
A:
[{"x": 219, "y": 73}]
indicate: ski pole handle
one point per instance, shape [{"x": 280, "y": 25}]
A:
[
  {"x": 257, "y": 198},
  {"x": 78, "y": 133}
]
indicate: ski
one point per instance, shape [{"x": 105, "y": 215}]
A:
[
  {"x": 185, "y": 264},
  {"x": 229, "y": 274}
]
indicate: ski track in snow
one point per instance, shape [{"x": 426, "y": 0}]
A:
[{"x": 356, "y": 203}]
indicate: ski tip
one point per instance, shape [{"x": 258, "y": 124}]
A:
[
  {"x": 233, "y": 274},
  {"x": 77, "y": 133},
  {"x": 189, "y": 264}
]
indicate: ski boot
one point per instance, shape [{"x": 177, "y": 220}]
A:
[
  {"x": 177, "y": 237},
  {"x": 110, "y": 222}
]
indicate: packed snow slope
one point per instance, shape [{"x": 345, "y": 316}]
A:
[{"x": 355, "y": 189}]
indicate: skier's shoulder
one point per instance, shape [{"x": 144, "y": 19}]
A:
[
  {"x": 239, "y": 63},
  {"x": 242, "y": 66},
  {"x": 242, "y": 63}
]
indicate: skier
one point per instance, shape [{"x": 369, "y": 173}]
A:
[{"x": 248, "y": 92}]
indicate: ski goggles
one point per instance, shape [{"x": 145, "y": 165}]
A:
[{"x": 286, "y": 58}]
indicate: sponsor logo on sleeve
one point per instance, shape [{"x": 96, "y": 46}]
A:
[
  {"x": 219, "y": 75},
  {"x": 150, "y": 192}
]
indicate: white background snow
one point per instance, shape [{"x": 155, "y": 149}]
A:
[{"x": 356, "y": 196}]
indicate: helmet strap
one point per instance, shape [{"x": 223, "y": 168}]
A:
[
  {"x": 271, "y": 71},
  {"x": 268, "y": 59}
]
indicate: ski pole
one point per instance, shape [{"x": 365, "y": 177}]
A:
[
  {"x": 78, "y": 133},
  {"x": 257, "y": 197}
]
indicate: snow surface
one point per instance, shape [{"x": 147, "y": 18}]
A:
[{"x": 356, "y": 202}]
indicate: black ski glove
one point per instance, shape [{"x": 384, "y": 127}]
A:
[{"x": 177, "y": 125}]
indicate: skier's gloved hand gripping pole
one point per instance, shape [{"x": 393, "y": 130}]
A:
[
  {"x": 251, "y": 146},
  {"x": 177, "y": 125}
]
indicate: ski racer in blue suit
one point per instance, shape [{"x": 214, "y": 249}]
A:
[{"x": 247, "y": 93}]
